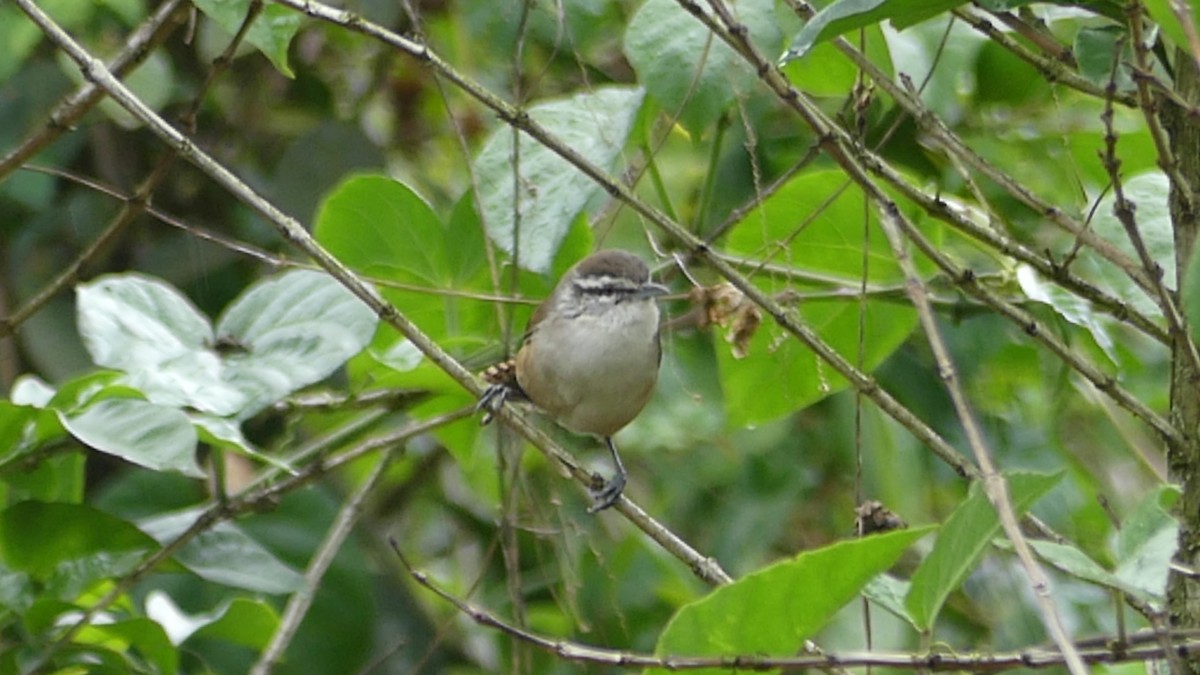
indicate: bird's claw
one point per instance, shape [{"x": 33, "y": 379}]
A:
[
  {"x": 493, "y": 397},
  {"x": 607, "y": 493}
]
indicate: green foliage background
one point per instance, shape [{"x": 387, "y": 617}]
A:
[{"x": 185, "y": 350}]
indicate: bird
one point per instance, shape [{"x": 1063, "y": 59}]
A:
[{"x": 590, "y": 355}]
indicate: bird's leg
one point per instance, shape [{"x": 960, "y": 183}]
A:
[{"x": 610, "y": 491}]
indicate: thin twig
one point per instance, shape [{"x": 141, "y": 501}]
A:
[
  {"x": 1139, "y": 646},
  {"x": 300, "y": 601},
  {"x": 138, "y": 45},
  {"x": 994, "y": 484}
]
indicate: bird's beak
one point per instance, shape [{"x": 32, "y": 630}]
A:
[{"x": 652, "y": 290}]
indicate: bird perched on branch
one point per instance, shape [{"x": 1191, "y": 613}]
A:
[{"x": 590, "y": 355}]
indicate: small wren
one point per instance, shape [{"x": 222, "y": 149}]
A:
[{"x": 590, "y": 354}]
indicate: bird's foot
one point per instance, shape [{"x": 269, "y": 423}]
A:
[
  {"x": 493, "y": 397},
  {"x": 606, "y": 493}
]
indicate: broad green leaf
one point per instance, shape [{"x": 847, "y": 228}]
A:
[
  {"x": 1147, "y": 541},
  {"x": 239, "y": 620},
  {"x": 1094, "y": 51},
  {"x": 889, "y": 592},
  {"x": 284, "y": 333},
  {"x": 57, "y": 478},
  {"x": 466, "y": 255},
  {"x": 80, "y": 392},
  {"x": 688, "y": 71},
  {"x": 402, "y": 356},
  {"x": 271, "y": 32},
  {"x": 827, "y": 72},
  {"x": 552, "y": 192},
  {"x": 813, "y": 227},
  {"x": 224, "y": 554},
  {"x": 843, "y": 16},
  {"x": 16, "y": 429},
  {"x": 149, "y": 330},
  {"x": 138, "y": 633},
  {"x": 147, "y": 434},
  {"x": 1150, "y": 194},
  {"x": 242, "y": 621},
  {"x": 222, "y": 432},
  {"x": 86, "y": 544},
  {"x": 381, "y": 227},
  {"x": 131, "y": 321},
  {"x": 1069, "y": 306},
  {"x": 963, "y": 540},
  {"x": 772, "y": 611},
  {"x": 1076, "y": 563},
  {"x": 292, "y": 330}
]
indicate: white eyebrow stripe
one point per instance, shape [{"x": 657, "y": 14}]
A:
[{"x": 590, "y": 284}]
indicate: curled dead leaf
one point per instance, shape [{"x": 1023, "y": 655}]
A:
[{"x": 726, "y": 306}]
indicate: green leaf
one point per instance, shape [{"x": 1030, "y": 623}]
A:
[
  {"x": 963, "y": 540},
  {"x": 240, "y": 620},
  {"x": 814, "y": 226},
  {"x": 284, "y": 333},
  {"x": 402, "y": 356},
  {"x": 843, "y": 16},
  {"x": 1094, "y": 48},
  {"x": 1147, "y": 541},
  {"x": 596, "y": 125},
  {"x": 271, "y": 32},
  {"x": 86, "y": 544},
  {"x": 889, "y": 592},
  {"x": 1069, "y": 306},
  {"x": 1075, "y": 562},
  {"x": 688, "y": 71},
  {"x": 772, "y": 611},
  {"x": 131, "y": 321},
  {"x": 57, "y": 478},
  {"x": 147, "y": 434},
  {"x": 149, "y": 330},
  {"x": 825, "y": 71},
  {"x": 381, "y": 227},
  {"x": 1150, "y": 192},
  {"x": 224, "y": 433},
  {"x": 224, "y": 554},
  {"x": 139, "y": 633},
  {"x": 292, "y": 330}
]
